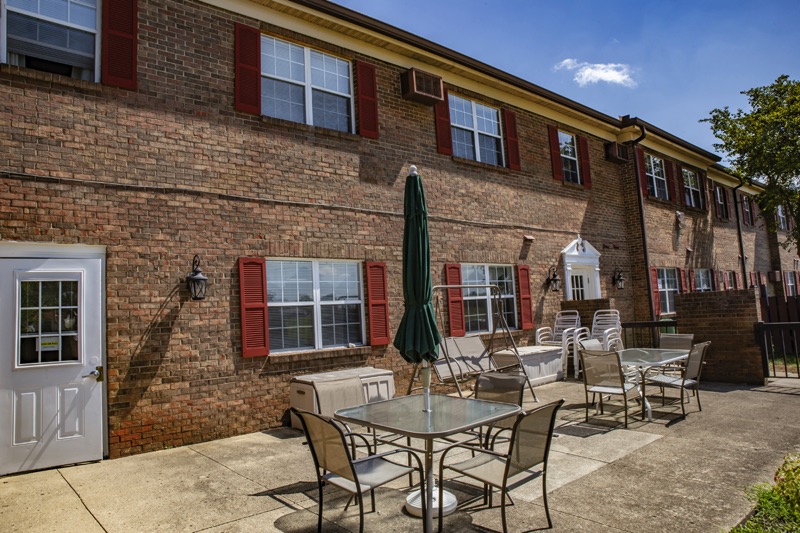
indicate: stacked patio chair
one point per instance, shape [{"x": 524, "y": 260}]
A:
[
  {"x": 605, "y": 324},
  {"x": 547, "y": 336}
]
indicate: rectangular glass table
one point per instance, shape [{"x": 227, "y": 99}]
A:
[
  {"x": 646, "y": 358},
  {"x": 448, "y": 415}
]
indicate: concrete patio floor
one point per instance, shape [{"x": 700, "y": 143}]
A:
[{"x": 667, "y": 475}]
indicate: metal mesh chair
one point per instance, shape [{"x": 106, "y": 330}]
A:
[
  {"x": 603, "y": 375},
  {"x": 529, "y": 447},
  {"x": 689, "y": 378},
  {"x": 334, "y": 463},
  {"x": 676, "y": 341},
  {"x": 500, "y": 387}
]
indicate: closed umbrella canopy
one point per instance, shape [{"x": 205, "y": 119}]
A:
[{"x": 418, "y": 337}]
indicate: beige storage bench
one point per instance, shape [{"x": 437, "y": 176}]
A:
[{"x": 543, "y": 364}]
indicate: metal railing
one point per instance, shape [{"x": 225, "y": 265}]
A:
[
  {"x": 645, "y": 334},
  {"x": 780, "y": 348}
]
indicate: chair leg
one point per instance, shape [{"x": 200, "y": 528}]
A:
[
  {"x": 625, "y": 401},
  {"x": 441, "y": 498},
  {"x": 372, "y": 498},
  {"x": 361, "y": 511},
  {"x": 503, "y": 508},
  {"x": 319, "y": 515},
  {"x": 697, "y": 395},
  {"x": 544, "y": 497},
  {"x": 683, "y": 406}
]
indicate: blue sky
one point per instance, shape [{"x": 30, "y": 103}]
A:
[{"x": 668, "y": 62}]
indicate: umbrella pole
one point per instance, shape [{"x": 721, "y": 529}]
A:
[{"x": 426, "y": 385}]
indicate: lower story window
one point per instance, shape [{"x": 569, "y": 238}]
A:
[
  {"x": 702, "y": 280},
  {"x": 314, "y": 304},
  {"x": 667, "y": 289},
  {"x": 478, "y": 312},
  {"x": 48, "y": 321}
]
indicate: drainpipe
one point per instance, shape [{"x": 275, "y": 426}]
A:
[
  {"x": 739, "y": 230},
  {"x": 640, "y": 198}
]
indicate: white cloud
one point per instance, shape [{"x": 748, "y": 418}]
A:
[{"x": 589, "y": 73}]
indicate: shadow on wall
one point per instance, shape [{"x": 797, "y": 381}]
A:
[{"x": 148, "y": 355}]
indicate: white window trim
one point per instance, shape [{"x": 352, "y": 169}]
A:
[
  {"x": 748, "y": 211},
  {"x": 653, "y": 178},
  {"x": 564, "y": 156},
  {"x": 97, "y": 32},
  {"x": 721, "y": 198},
  {"x": 477, "y": 133},
  {"x": 783, "y": 221},
  {"x": 317, "y": 302},
  {"x": 705, "y": 279},
  {"x": 791, "y": 288},
  {"x": 308, "y": 86},
  {"x": 488, "y": 296},
  {"x": 663, "y": 290}
]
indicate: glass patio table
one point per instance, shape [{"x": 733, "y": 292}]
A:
[
  {"x": 646, "y": 358},
  {"x": 448, "y": 415}
]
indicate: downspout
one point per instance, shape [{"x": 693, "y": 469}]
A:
[
  {"x": 739, "y": 231},
  {"x": 640, "y": 198}
]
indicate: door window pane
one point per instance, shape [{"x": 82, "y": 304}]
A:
[{"x": 48, "y": 322}]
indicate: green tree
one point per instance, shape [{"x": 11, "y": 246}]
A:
[{"x": 762, "y": 146}]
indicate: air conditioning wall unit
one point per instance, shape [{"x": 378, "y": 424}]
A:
[
  {"x": 616, "y": 152},
  {"x": 420, "y": 86}
]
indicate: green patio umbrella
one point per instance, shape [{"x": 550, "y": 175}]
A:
[{"x": 417, "y": 337}]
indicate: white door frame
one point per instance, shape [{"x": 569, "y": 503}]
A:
[
  {"x": 26, "y": 250},
  {"x": 583, "y": 257}
]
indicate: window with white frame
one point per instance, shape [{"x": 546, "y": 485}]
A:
[
  {"x": 478, "y": 312},
  {"x": 569, "y": 157},
  {"x": 721, "y": 197},
  {"x": 691, "y": 187},
  {"x": 56, "y": 36},
  {"x": 667, "y": 289},
  {"x": 476, "y": 131},
  {"x": 656, "y": 177},
  {"x": 314, "y": 304},
  {"x": 702, "y": 280},
  {"x": 791, "y": 288},
  {"x": 730, "y": 279},
  {"x": 747, "y": 211},
  {"x": 48, "y": 321},
  {"x": 304, "y": 85},
  {"x": 783, "y": 222}
]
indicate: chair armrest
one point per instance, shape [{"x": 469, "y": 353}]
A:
[{"x": 390, "y": 452}]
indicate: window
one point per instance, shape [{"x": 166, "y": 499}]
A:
[
  {"x": 747, "y": 211},
  {"x": 48, "y": 322},
  {"x": 57, "y": 36},
  {"x": 783, "y": 221},
  {"x": 667, "y": 289},
  {"x": 791, "y": 288},
  {"x": 721, "y": 196},
  {"x": 729, "y": 280},
  {"x": 477, "y": 302},
  {"x": 656, "y": 177},
  {"x": 304, "y": 85},
  {"x": 569, "y": 157},
  {"x": 314, "y": 304},
  {"x": 476, "y": 131},
  {"x": 691, "y": 188},
  {"x": 702, "y": 280}
]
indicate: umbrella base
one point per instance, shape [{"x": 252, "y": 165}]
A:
[{"x": 414, "y": 503}]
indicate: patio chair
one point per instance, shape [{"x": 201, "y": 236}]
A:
[
  {"x": 335, "y": 465},
  {"x": 689, "y": 378},
  {"x": 603, "y": 374},
  {"x": 500, "y": 387},
  {"x": 676, "y": 341},
  {"x": 529, "y": 447},
  {"x": 605, "y": 323},
  {"x": 546, "y": 336},
  {"x": 578, "y": 336}
]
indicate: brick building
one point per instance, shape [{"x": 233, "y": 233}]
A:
[{"x": 272, "y": 140}]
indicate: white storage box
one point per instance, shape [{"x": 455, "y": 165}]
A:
[
  {"x": 378, "y": 385},
  {"x": 543, "y": 364}
]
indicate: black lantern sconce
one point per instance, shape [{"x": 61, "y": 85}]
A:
[
  {"x": 553, "y": 281},
  {"x": 196, "y": 280},
  {"x": 617, "y": 279}
]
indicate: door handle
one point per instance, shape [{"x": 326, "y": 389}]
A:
[{"x": 97, "y": 374}]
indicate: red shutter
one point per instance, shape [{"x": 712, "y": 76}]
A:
[
  {"x": 725, "y": 284},
  {"x": 253, "y": 296},
  {"x": 247, "y": 85},
  {"x": 684, "y": 285},
  {"x": 715, "y": 280},
  {"x": 512, "y": 140},
  {"x": 444, "y": 136},
  {"x": 762, "y": 279},
  {"x": 670, "y": 170},
  {"x": 703, "y": 184},
  {"x": 367, "y": 100},
  {"x": 120, "y": 42},
  {"x": 680, "y": 190},
  {"x": 586, "y": 170},
  {"x": 378, "y": 304},
  {"x": 642, "y": 173},
  {"x": 555, "y": 153},
  {"x": 796, "y": 283},
  {"x": 753, "y": 281},
  {"x": 525, "y": 298},
  {"x": 455, "y": 300},
  {"x": 739, "y": 280},
  {"x": 692, "y": 284},
  {"x": 656, "y": 295}
]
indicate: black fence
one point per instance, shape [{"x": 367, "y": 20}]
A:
[
  {"x": 645, "y": 334},
  {"x": 779, "y": 347}
]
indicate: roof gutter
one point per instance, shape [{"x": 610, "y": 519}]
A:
[{"x": 736, "y": 200}]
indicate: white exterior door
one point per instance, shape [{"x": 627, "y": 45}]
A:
[{"x": 51, "y": 362}]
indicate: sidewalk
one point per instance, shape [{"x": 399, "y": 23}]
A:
[{"x": 667, "y": 475}]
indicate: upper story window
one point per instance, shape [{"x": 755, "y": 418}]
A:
[
  {"x": 656, "y": 177},
  {"x": 748, "y": 217},
  {"x": 783, "y": 221},
  {"x": 569, "y": 157},
  {"x": 667, "y": 289},
  {"x": 691, "y": 187},
  {"x": 702, "y": 280},
  {"x": 478, "y": 313},
  {"x": 57, "y": 36},
  {"x": 305, "y": 85},
  {"x": 475, "y": 130},
  {"x": 721, "y": 198},
  {"x": 314, "y": 304},
  {"x": 791, "y": 287}
]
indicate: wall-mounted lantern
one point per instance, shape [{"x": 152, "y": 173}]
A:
[
  {"x": 553, "y": 281},
  {"x": 617, "y": 279},
  {"x": 196, "y": 280}
]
